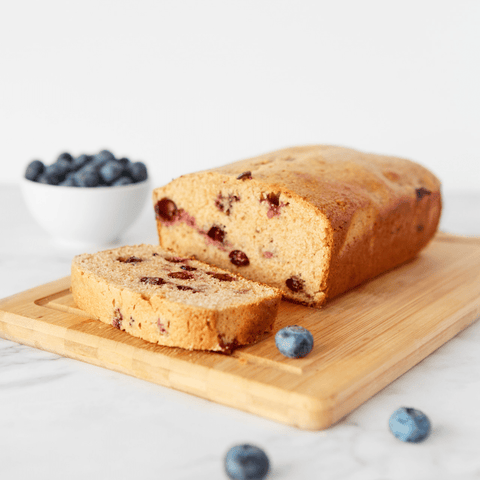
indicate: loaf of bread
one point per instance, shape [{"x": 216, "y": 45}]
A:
[
  {"x": 313, "y": 221},
  {"x": 175, "y": 301}
]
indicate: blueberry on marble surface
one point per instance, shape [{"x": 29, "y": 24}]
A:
[
  {"x": 409, "y": 425},
  {"x": 294, "y": 341},
  {"x": 34, "y": 170},
  {"x": 246, "y": 462}
]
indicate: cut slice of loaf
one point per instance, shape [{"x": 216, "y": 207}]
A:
[
  {"x": 313, "y": 221},
  {"x": 176, "y": 301}
]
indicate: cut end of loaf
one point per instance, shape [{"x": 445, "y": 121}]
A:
[{"x": 243, "y": 226}]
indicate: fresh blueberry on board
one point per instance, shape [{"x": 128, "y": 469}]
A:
[
  {"x": 294, "y": 341},
  {"x": 246, "y": 462},
  {"x": 409, "y": 425},
  {"x": 34, "y": 170}
]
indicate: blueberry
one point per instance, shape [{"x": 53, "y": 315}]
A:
[
  {"x": 138, "y": 171},
  {"x": 87, "y": 177},
  {"x": 80, "y": 161},
  {"x": 65, "y": 156},
  {"x": 294, "y": 341},
  {"x": 124, "y": 161},
  {"x": 52, "y": 175},
  {"x": 103, "y": 157},
  {"x": 63, "y": 166},
  {"x": 98, "y": 161},
  {"x": 58, "y": 170},
  {"x": 44, "y": 178},
  {"x": 101, "y": 183},
  {"x": 89, "y": 167},
  {"x": 111, "y": 171},
  {"x": 246, "y": 462},
  {"x": 409, "y": 425},
  {"x": 108, "y": 154},
  {"x": 68, "y": 182},
  {"x": 122, "y": 181},
  {"x": 34, "y": 170}
]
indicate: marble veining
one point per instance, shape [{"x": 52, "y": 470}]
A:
[{"x": 62, "y": 418}]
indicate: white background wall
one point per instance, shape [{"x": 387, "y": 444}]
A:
[{"x": 187, "y": 85}]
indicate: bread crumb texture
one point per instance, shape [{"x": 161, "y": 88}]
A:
[{"x": 172, "y": 300}]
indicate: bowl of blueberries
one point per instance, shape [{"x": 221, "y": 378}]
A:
[{"x": 86, "y": 200}]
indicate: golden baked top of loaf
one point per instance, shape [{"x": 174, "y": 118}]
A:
[{"x": 337, "y": 179}]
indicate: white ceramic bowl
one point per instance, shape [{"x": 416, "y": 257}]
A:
[{"x": 85, "y": 216}]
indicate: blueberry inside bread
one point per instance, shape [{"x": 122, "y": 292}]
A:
[
  {"x": 172, "y": 300},
  {"x": 312, "y": 221}
]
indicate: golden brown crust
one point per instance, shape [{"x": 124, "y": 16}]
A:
[
  {"x": 379, "y": 211},
  {"x": 397, "y": 236}
]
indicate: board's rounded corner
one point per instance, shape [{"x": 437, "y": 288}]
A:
[{"x": 313, "y": 413}]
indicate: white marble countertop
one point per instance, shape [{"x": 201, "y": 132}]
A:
[{"x": 64, "y": 419}]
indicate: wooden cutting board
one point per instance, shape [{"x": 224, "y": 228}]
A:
[{"x": 364, "y": 340}]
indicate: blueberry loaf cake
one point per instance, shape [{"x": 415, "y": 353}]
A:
[
  {"x": 170, "y": 300},
  {"x": 313, "y": 221}
]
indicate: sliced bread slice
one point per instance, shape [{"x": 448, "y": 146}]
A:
[{"x": 152, "y": 294}]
